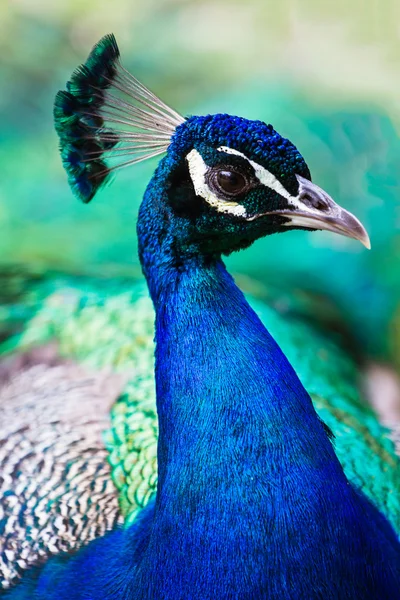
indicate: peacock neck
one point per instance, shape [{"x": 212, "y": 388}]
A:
[
  {"x": 223, "y": 385},
  {"x": 249, "y": 485},
  {"x": 241, "y": 448}
]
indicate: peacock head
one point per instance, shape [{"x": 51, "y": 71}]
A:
[{"x": 224, "y": 181}]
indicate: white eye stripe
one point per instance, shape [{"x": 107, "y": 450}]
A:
[
  {"x": 266, "y": 178},
  {"x": 198, "y": 170}
]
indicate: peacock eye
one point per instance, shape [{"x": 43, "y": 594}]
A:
[{"x": 230, "y": 182}]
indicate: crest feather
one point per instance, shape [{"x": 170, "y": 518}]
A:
[{"x": 106, "y": 119}]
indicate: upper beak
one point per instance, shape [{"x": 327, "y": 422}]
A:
[{"x": 315, "y": 209}]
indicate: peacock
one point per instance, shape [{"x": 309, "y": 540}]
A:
[{"x": 202, "y": 466}]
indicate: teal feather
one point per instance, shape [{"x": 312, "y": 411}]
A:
[
  {"x": 82, "y": 115},
  {"x": 80, "y": 126}
]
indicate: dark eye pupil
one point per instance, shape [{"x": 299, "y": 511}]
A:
[{"x": 231, "y": 182}]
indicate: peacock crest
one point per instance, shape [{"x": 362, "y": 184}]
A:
[{"x": 107, "y": 120}]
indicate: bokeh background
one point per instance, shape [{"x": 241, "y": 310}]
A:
[{"x": 325, "y": 74}]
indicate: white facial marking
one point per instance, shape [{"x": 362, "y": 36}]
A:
[
  {"x": 266, "y": 178},
  {"x": 197, "y": 170},
  {"x": 263, "y": 175}
]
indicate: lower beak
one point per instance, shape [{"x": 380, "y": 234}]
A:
[
  {"x": 314, "y": 209},
  {"x": 345, "y": 224}
]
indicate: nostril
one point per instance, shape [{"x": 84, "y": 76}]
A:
[
  {"x": 315, "y": 201},
  {"x": 320, "y": 204}
]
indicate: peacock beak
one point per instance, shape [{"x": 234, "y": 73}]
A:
[{"x": 314, "y": 209}]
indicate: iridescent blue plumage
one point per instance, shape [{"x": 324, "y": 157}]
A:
[{"x": 252, "y": 502}]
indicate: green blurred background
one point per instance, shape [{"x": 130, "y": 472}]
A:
[{"x": 325, "y": 74}]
